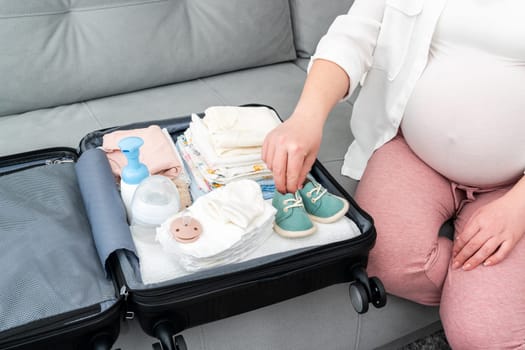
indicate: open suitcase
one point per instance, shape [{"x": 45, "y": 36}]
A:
[
  {"x": 91, "y": 317},
  {"x": 166, "y": 308}
]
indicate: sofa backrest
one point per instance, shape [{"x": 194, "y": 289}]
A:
[
  {"x": 311, "y": 19},
  {"x": 55, "y": 52}
]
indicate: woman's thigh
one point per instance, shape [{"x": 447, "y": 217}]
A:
[
  {"x": 409, "y": 202},
  {"x": 485, "y": 308}
]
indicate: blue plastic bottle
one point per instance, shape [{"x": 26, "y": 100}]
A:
[{"x": 134, "y": 172}]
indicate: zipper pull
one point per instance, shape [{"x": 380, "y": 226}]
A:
[
  {"x": 128, "y": 315},
  {"x": 59, "y": 161},
  {"x": 124, "y": 292}
]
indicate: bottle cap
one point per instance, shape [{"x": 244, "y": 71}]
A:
[{"x": 135, "y": 171}]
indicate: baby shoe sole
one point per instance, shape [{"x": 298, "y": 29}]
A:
[
  {"x": 334, "y": 217},
  {"x": 294, "y": 234}
]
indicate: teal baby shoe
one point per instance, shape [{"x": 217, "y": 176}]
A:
[
  {"x": 321, "y": 205},
  {"x": 291, "y": 219}
]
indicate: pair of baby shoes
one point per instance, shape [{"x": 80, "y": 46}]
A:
[{"x": 296, "y": 211}]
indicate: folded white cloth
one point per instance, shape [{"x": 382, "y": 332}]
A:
[
  {"x": 229, "y": 226},
  {"x": 229, "y": 204},
  {"x": 202, "y": 141},
  {"x": 221, "y": 174},
  {"x": 233, "y": 127}
]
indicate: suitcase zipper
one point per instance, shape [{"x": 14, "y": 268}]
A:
[
  {"x": 59, "y": 161},
  {"x": 22, "y": 161}
]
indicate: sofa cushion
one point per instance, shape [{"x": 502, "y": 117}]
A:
[
  {"x": 56, "y": 52},
  {"x": 276, "y": 85},
  {"x": 311, "y": 19},
  {"x": 53, "y": 127}
]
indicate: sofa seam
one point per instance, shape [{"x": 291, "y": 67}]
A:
[
  {"x": 214, "y": 91},
  {"x": 91, "y": 114}
]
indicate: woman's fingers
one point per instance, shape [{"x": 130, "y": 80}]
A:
[
  {"x": 471, "y": 229},
  {"x": 294, "y": 170},
  {"x": 478, "y": 254},
  {"x": 307, "y": 166},
  {"x": 268, "y": 151},
  {"x": 503, "y": 251},
  {"x": 289, "y": 151}
]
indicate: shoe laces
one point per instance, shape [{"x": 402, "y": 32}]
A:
[
  {"x": 317, "y": 192},
  {"x": 294, "y": 202}
]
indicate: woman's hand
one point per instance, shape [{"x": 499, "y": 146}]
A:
[
  {"x": 291, "y": 148},
  {"x": 492, "y": 231},
  {"x": 290, "y": 151}
]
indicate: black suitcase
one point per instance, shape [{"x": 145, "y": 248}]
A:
[
  {"x": 164, "y": 309},
  {"x": 54, "y": 292}
]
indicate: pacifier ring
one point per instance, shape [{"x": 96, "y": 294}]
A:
[{"x": 185, "y": 229}]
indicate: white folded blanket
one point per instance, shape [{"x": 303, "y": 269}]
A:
[
  {"x": 202, "y": 140},
  {"x": 233, "y": 127}
]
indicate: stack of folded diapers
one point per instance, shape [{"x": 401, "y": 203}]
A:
[{"x": 231, "y": 229}]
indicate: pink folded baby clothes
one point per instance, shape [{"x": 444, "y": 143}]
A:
[{"x": 157, "y": 153}]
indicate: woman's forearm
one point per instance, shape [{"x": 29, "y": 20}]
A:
[{"x": 326, "y": 84}]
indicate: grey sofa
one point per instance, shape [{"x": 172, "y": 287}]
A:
[{"x": 68, "y": 67}]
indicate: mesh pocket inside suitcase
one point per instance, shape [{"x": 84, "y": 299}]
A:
[{"x": 49, "y": 263}]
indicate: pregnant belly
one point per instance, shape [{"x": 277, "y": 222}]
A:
[{"x": 467, "y": 121}]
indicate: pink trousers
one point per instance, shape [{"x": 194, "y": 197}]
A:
[{"x": 480, "y": 309}]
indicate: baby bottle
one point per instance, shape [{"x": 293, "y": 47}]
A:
[
  {"x": 133, "y": 173},
  {"x": 154, "y": 201}
]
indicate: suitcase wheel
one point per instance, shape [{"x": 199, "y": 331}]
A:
[
  {"x": 364, "y": 290},
  {"x": 101, "y": 342},
  {"x": 358, "y": 297},
  {"x": 378, "y": 292},
  {"x": 164, "y": 332},
  {"x": 180, "y": 344}
]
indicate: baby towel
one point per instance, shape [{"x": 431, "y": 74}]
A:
[{"x": 157, "y": 153}]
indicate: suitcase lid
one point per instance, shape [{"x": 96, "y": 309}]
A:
[{"x": 52, "y": 282}]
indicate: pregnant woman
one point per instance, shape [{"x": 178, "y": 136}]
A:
[{"x": 438, "y": 135}]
